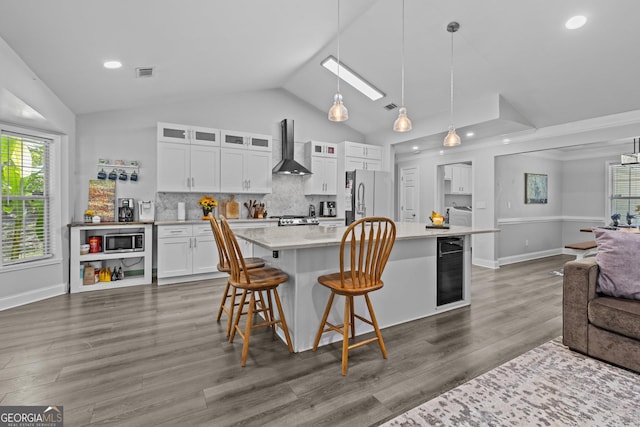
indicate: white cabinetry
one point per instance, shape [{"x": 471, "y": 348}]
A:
[
  {"x": 80, "y": 234},
  {"x": 188, "y": 159},
  {"x": 245, "y": 163},
  {"x": 323, "y": 159},
  {"x": 186, "y": 252},
  {"x": 362, "y": 156},
  {"x": 460, "y": 179}
]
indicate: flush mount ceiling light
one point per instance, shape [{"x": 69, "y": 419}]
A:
[
  {"x": 470, "y": 134},
  {"x": 338, "y": 112},
  {"x": 112, "y": 65},
  {"x": 402, "y": 123},
  {"x": 348, "y": 75},
  {"x": 452, "y": 139},
  {"x": 575, "y": 22}
]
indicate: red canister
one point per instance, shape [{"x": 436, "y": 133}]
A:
[{"x": 95, "y": 244}]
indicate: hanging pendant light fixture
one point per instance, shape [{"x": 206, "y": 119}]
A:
[
  {"x": 452, "y": 139},
  {"x": 338, "y": 112},
  {"x": 402, "y": 123}
]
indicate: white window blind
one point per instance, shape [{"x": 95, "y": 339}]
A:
[
  {"x": 625, "y": 191},
  {"x": 25, "y": 195}
]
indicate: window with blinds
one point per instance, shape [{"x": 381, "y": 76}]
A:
[
  {"x": 625, "y": 191},
  {"x": 25, "y": 195}
]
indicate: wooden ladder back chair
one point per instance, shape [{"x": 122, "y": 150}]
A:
[
  {"x": 369, "y": 241},
  {"x": 230, "y": 293},
  {"x": 253, "y": 283}
]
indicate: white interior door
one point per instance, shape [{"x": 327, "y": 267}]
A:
[{"x": 409, "y": 195}]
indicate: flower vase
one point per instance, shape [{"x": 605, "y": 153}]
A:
[{"x": 206, "y": 212}]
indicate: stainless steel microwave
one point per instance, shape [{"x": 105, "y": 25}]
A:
[{"x": 133, "y": 242}]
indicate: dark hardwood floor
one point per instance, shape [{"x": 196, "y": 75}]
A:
[{"x": 152, "y": 355}]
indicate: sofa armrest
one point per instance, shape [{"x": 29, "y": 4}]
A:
[{"x": 579, "y": 287}]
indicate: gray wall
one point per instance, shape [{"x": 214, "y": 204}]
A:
[
  {"x": 131, "y": 135},
  {"x": 22, "y": 284}
]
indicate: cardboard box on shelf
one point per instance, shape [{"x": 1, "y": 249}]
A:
[{"x": 89, "y": 275}]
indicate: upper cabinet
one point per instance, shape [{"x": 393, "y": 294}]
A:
[
  {"x": 365, "y": 151},
  {"x": 199, "y": 159},
  {"x": 183, "y": 134},
  {"x": 460, "y": 179},
  {"x": 362, "y": 156},
  {"x": 323, "y": 160},
  {"x": 244, "y": 140},
  {"x": 188, "y": 159},
  {"x": 245, "y": 162}
]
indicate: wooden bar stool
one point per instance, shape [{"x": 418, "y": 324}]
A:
[
  {"x": 370, "y": 241},
  {"x": 230, "y": 292},
  {"x": 252, "y": 282}
]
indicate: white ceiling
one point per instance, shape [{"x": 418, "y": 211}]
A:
[{"x": 516, "y": 66}]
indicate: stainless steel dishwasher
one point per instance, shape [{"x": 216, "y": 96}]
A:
[{"x": 450, "y": 270}]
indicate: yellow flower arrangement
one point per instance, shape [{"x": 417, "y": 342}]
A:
[{"x": 208, "y": 202}]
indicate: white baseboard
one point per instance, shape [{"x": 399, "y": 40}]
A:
[
  {"x": 487, "y": 263},
  {"x": 189, "y": 278},
  {"x": 32, "y": 296},
  {"x": 529, "y": 256}
]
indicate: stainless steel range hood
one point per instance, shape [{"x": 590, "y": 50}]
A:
[{"x": 288, "y": 166}]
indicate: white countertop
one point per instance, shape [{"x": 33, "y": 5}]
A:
[
  {"x": 307, "y": 236},
  {"x": 243, "y": 221}
]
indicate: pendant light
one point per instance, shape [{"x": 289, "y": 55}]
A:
[
  {"x": 402, "y": 123},
  {"x": 452, "y": 139},
  {"x": 338, "y": 112}
]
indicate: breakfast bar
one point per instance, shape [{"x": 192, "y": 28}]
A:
[{"x": 410, "y": 276}]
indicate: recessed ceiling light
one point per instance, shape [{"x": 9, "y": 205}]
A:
[
  {"x": 506, "y": 141},
  {"x": 415, "y": 147},
  {"x": 112, "y": 65},
  {"x": 576, "y": 22},
  {"x": 441, "y": 152},
  {"x": 351, "y": 77},
  {"x": 469, "y": 134}
]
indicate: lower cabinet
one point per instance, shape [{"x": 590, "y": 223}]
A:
[{"x": 186, "y": 252}]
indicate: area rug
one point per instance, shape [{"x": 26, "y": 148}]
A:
[{"x": 547, "y": 386}]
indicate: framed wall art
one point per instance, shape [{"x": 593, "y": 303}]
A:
[{"x": 535, "y": 188}]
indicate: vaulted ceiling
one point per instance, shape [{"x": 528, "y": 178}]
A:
[{"x": 516, "y": 66}]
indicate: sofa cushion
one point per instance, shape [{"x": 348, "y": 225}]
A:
[
  {"x": 617, "y": 260},
  {"x": 618, "y": 315}
]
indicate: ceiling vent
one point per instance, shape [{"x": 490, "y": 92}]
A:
[
  {"x": 144, "y": 72},
  {"x": 390, "y": 107}
]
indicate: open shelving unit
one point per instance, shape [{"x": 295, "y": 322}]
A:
[{"x": 82, "y": 231}]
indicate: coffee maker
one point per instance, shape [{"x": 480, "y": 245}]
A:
[
  {"x": 125, "y": 210},
  {"x": 328, "y": 209}
]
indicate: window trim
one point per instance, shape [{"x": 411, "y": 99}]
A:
[
  {"x": 54, "y": 197},
  {"x": 609, "y": 197}
]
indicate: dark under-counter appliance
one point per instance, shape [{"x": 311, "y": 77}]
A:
[
  {"x": 328, "y": 209},
  {"x": 121, "y": 242},
  {"x": 450, "y": 266}
]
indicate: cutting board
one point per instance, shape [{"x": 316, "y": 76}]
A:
[{"x": 233, "y": 210}]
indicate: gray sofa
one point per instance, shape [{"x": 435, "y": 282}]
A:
[{"x": 600, "y": 326}]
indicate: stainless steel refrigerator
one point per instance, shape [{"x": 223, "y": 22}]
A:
[{"x": 367, "y": 193}]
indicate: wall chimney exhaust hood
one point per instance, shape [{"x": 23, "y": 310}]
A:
[{"x": 288, "y": 166}]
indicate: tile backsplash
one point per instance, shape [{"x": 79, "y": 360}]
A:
[{"x": 287, "y": 198}]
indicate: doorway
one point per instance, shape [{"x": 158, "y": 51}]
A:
[
  {"x": 409, "y": 195},
  {"x": 455, "y": 192}
]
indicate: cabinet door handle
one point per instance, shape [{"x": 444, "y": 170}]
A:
[
  {"x": 188, "y": 183},
  {"x": 248, "y": 184},
  {"x": 195, "y": 242},
  {"x": 190, "y": 243},
  {"x": 193, "y": 182}
]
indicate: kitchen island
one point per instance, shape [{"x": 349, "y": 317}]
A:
[{"x": 306, "y": 252}]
